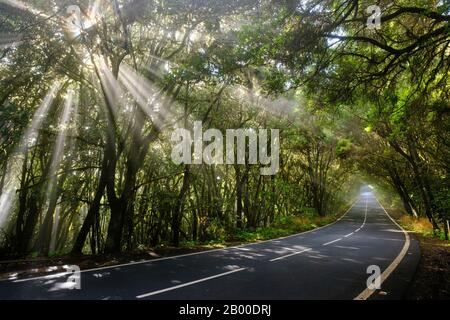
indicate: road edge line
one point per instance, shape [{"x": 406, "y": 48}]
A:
[{"x": 366, "y": 293}]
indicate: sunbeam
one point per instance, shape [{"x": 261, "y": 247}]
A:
[
  {"x": 30, "y": 137},
  {"x": 26, "y": 7},
  {"x": 28, "y": 140},
  {"x": 61, "y": 139},
  {"x": 56, "y": 161},
  {"x": 56, "y": 221},
  {"x": 278, "y": 106},
  {"x": 113, "y": 91},
  {"x": 8, "y": 40},
  {"x": 148, "y": 98},
  {"x": 95, "y": 6},
  {"x": 165, "y": 66}
]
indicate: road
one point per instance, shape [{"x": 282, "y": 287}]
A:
[{"x": 326, "y": 263}]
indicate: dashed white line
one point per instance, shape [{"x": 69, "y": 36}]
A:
[
  {"x": 298, "y": 252},
  {"x": 325, "y": 244},
  {"x": 61, "y": 274},
  {"x": 290, "y": 255},
  {"x": 188, "y": 284},
  {"x": 348, "y": 235},
  {"x": 365, "y": 217}
]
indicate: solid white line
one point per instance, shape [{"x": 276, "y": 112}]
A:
[
  {"x": 365, "y": 294},
  {"x": 188, "y": 284},
  {"x": 56, "y": 275},
  {"x": 289, "y": 255}
]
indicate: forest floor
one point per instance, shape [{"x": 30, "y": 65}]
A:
[
  {"x": 431, "y": 280},
  {"x": 13, "y": 269}
]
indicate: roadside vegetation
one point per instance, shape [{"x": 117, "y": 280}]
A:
[
  {"x": 431, "y": 278},
  {"x": 32, "y": 266},
  {"x": 430, "y": 281},
  {"x": 282, "y": 227}
]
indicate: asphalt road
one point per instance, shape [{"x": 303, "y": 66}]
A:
[{"x": 326, "y": 263}]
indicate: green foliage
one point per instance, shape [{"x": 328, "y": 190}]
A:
[
  {"x": 344, "y": 146},
  {"x": 283, "y": 226},
  {"x": 373, "y": 104}
]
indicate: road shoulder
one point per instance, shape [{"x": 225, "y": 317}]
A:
[{"x": 430, "y": 279}]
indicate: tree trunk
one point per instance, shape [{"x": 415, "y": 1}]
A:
[
  {"x": 238, "y": 198},
  {"x": 178, "y": 210},
  {"x": 93, "y": 212}
]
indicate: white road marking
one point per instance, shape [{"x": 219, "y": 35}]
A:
[
  {"x": 365, "y": 294},
  {"x": 61, "y": 274},
  {"x": 348, "y": 235},
  {"x": 188, "y": 284},
  {"x": 325, "y": 244},
  {"x": 365, "y": 217},
  {"x": 290, "y": 255}
]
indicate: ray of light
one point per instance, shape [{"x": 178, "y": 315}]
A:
[
  {"x": 9, "y": 40},
  {"x": 62, "y": 135},
  {"x": 56, "y": 222},
  {"x": 144, "y": 101},
  {"x": 112, "y": 88},
  {"x": 165, "y": 66},
  {"x": 145, "y": 94},
  {"x": 6, "y": 201},
  {"x": 113, "y": 92},
  {"x": 30, "y": 137},
  {"x": 26, "y": 7},
  {"x": 57, "y": 158},
  {"x": 14, "y": 166},
  {"x": 95, "y": 7},
  {"x": 279, "y": 106}
]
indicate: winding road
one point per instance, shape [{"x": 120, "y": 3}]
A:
[{"x": 326, "y": 263}]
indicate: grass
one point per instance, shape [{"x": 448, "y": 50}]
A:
[
  {"x": 281, "y": 227},
  {"x": 430, "y": 281},
  {"x": 420, "y": 226}
]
